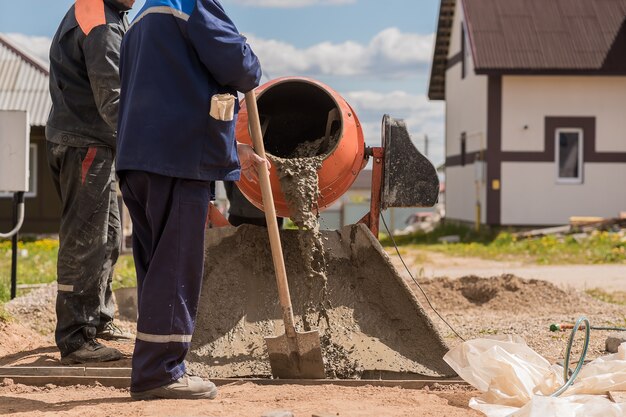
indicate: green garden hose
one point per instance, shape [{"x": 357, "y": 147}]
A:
[
  {"x": 569, "y": 379},
  {"x": 565, "y": 326}
]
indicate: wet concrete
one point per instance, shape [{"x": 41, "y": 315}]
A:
[{"x": 377, "y": 323}]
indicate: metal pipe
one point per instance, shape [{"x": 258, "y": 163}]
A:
[
  {"x": 18, "y": 220},
  {"x": 18, "y": 215}
]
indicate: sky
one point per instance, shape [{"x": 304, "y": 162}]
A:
[{"x": 376, "y": 54}]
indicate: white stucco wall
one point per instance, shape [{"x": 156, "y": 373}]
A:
[
  {"x": 531, "y": 196},
  {"x": 527, "y": 100},
  {"x": 466, "y": 99},
  {"x": 461, "y": 194},
  {"x": 466, "y": 111}
]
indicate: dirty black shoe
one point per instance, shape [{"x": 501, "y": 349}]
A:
[
  {"x": 111, "y": 332},
  {"x": 185, "y": 388},
  {"x": 91, "y": 351}
]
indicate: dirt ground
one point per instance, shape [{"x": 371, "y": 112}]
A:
[{"x": 475, "y": 307}]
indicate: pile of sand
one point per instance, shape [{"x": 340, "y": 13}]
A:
[{"x": 503, "y": 293}]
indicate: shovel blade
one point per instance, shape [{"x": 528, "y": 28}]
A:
[{"x": 296, "y": 358}]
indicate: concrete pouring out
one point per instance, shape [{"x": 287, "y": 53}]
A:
[
  {"x": 298, "y": 180},
  {"x": 376, "y": 323},
  {"x": 299, "y": 184}
]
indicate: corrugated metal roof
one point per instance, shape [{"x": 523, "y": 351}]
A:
[
  {"x": 539, "y": 36},
  {"x": 23, "y": 83}
]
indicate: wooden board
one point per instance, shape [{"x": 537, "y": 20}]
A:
[
  {"x": 58, "y": 371},
  {"x": 120, "y": 378},
  {"x": 582, "y": 220}
]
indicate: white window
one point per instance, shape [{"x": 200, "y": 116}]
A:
[
  {"x": 569, "y": 156},
  {"x": 32, "y": 179}
]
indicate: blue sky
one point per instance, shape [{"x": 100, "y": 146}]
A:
[{"x": 375, "y": 53}]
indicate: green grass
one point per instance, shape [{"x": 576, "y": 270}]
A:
[
  {"x": 597, "y": 248},
  {"x": 4, "y": 316},
  {"x": 615, "y": 297},
  {"x": 36, "y": 264}
]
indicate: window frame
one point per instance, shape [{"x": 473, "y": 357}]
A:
[{"x": 557, "y": 155}]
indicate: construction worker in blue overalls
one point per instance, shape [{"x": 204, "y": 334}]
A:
[{"x": 182, "y": 63}]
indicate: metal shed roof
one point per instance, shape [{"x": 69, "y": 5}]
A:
[{"x": 23, "y": 83}]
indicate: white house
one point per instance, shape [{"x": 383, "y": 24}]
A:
[{"x": 535, "y": 94}]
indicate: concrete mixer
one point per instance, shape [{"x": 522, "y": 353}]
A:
[{"x": 373, "y": 325}]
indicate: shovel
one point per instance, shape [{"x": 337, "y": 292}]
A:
[{"x": 294, "y": 355}]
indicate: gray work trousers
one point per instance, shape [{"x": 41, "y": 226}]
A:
[{"x": 89, "y": 241}]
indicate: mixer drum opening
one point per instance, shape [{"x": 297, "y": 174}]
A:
[
  {"x": 304, "y": 115},
  {"x": 295, "y": 112}
]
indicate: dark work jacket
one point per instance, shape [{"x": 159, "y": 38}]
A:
[
  {"x": 176, "y": 55},
  {"x": 84, "y": 74}
]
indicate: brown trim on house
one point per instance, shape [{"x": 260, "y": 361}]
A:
[
  {"x": 551, "y": 124},
  {"x": 494, "y": 149},
  {"x": 606, "y": 158},
  {"x": 456, "y": 160},
  {"x": 463, "y": 52},
  {"x": 454, "y": 59},
  {"x": 495, "y": 156},
  {"x": 548, "y": 71},
  {"x": 588, "y": 126}
]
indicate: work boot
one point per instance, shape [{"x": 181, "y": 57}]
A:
[
  {"x": 185, "y": 388},
  {"x": 91, "y": 351},
  {"x": 111, "y": 332}
]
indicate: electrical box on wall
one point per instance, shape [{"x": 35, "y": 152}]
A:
[{"x": 14, "y": 148}]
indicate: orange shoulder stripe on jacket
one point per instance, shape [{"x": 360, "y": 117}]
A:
[{"x": 89, "y": 14}]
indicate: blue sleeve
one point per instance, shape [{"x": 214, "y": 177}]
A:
[{"x": 221, "y": 48}]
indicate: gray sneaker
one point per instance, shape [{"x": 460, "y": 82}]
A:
[
  {"x": 91, "y": 351},
  {"x": 111, "y": 332},
  {"x": 185, "y": 388}
]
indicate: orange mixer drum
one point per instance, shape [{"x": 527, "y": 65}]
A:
[{"x": 296, "y": 110}]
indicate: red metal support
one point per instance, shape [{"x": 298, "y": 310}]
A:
[
  {"x": 215, "y": 218},
  {"x": 372, "y": 219}
]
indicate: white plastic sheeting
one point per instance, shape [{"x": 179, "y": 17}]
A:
[{"x": 517, "y": 382}]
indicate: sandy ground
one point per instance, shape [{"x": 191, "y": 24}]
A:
[
  {"x": 236, "y": 400},
  {"x": 475, "y": 307},
  {"x": 609, "y": 277}
]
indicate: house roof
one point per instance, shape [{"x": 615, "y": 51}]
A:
[
  {"x": 437, "y": 88},
  {"x": 539, "y": 37},
  {"x": 23, "y": 83}
]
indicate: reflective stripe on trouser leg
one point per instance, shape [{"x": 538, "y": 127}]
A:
[
  {"x": 82, "y": 177},
  {"x": 168, "y": 217}
]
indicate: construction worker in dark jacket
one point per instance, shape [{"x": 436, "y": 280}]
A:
[
  {"x": 182, "y": 63},
  {"x": 81, "y": 140}
]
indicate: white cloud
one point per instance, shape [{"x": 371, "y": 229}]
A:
[
  {"x": 390, "y": 54},
  {"x": 291, "y": 3},
  {"x": 421, "y": 116},
  {"x": 38, "y": 46}
]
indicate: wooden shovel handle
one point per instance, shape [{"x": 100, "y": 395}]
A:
[{"x": 270, "y": 216}]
